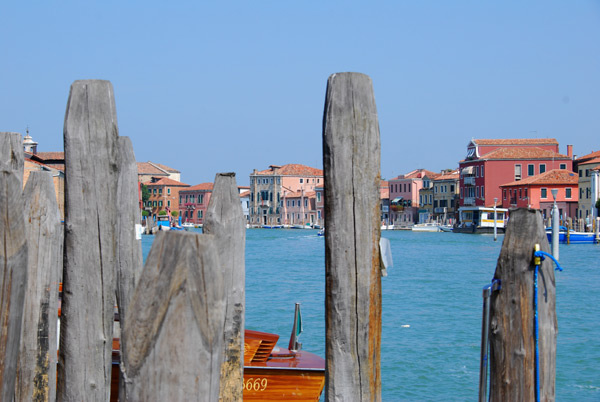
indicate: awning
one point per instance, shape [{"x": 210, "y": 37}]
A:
[
  {"x": 470, "y": 152},
  {"x": 467, "y": 170},
  {"x": 397, "y": 200}
]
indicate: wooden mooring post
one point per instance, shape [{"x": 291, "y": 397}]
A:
[
  {"x": 512, "y": 333},
  {"x": 13, "y": 271},
  {"x": 351, "y": 163},
  {"x": 225, "y": 220},
  {"x": 91, "y": 170},
  {"x": 36, "y": 372}
]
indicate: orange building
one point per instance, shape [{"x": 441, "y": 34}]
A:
[
  {"x": 536, "y": 192},
  {"x": 164, "y": 196}
]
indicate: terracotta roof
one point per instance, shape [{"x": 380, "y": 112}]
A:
[
  {"x": 149, "y": 169},
  {"x": 419, "y": 174},
  {"x": 523, "y": 153},
  {"x": 164, "y": 167},
  {"x": 455, "y": 175},
  {"x": 201, "y": 186},
  {"x": 60, "y": 167},
  {"x": 590, "y": 161},
  {"x": 50, "y": 155},
  {"x": 516, "y": 141},
  {"x": 291, "y": 169},
  {"x": 165, "y": 181},
  {"x": 584, "y": 158},
  {"x": 555, "y": 176}
]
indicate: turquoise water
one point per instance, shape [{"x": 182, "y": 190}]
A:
[{"x": 431, "y": 308}]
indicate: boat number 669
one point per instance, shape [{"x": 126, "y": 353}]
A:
[{"x": 255, "y": 384}]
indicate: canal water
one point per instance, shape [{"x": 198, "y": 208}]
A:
[{"x": 432, "y": 307}]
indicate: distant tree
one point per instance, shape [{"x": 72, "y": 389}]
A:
[
  {"x": 145, "y": 213},
  {"x": 175, "y": 214},
  {"x": 162, "y": 212},
  {"x": 145, "y": 193}
]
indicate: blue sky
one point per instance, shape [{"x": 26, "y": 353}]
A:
[{"x": 207, "y": 87}]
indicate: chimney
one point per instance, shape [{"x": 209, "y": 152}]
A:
[{"x": 570, "y": 151}]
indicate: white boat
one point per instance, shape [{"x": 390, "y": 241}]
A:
[
  {"x": 188, "y": 226},
  {"x": 446, "y": 228},
  {"x": 426, "y": 227}
]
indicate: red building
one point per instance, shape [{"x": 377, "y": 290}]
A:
[
  {"x": 193, "y": 202},
  {"x": 536, "y": 192},
  {"x": 492, "y": 163}
]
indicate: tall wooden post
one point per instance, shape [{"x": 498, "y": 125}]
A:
[
  {"x": 129, "y": 247},
  {"x": 91, "y": 171},
  {"x": 512, "y": 341},
  {"x": 13, "y": 274},
  {"x": 11, "y": 152},
  {"x": 225, "y": 220},
  {"x": 351, "y": 162},
  {"x": 173, "y": 333},
  {"x": 36, "y": 375}
]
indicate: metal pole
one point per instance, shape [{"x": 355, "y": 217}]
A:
[
  {"x": 555, "y": 225},
  {"x": 495, "y": 223},
  {"x": 485, "y": 331}
]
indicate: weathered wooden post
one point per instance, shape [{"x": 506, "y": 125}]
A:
[
  {"x": 173, "y": 333},
  {"x": 225, "y": 220},
  {"x": 11, "y": 152},
  {"x": 91, "y": 170},
  {"x": 512, "y": 340},
  {"x": 36, "y": 372},
  {"x": 129, "y": 247},
  {"x": 13, "y": 273},
  {"x": 351, "y": 162}
]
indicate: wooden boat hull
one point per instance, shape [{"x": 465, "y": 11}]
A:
[{"x": 282, "y": 384}]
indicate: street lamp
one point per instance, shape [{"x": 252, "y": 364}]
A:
[
  {"x": 495, "y": 220},
  {"x": 555, "y": 225}
]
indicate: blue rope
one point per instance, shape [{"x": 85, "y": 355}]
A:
[{"x": 541, "y": 256}]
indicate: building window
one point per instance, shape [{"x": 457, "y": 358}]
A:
[
  {"x": 544, "y": 193},
  {"x": 542, "y": 168},
  {"x": 568, "y": 192},
  {"x": 160, "y": 191},
  {"x": 199, "y": 214},
  {"x": 563, "y": 166},
  {"x": 154, "y": 191},
  {"x": 504, "y": 193},
  {"x": 318, "y": 197},
  {"x": 525, "y": 193},
  {"x": 301, "y": 180},
  {"x": 530, "y": 170},
  {"x": 306, "y": 202},
  {"x": 517, "y": 172},
  {"x": 168, "y": 190},
  {"x": 476, "y": 171},
  {"x": 160, "y": 203},
  {"x": 481, "y": 171},
  {"x": 168, "y": 203},
  {"x": 154, "y": 203}
]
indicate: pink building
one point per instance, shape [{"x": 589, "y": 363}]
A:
[
  {"x": 300, "y": 208},
  {"x": 404, "y": 195},
  {"x": 536, "y": 192},
  {"x": 269, "y": 188},
  {"x": 193, "y": 202}
]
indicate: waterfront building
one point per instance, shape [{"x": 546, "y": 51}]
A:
[
  {"x": 193, "y": 202},
  {"x": 445, "y": 197},
  {"x": 52, "y": 162},
  {"x": 300, "y": 209},
  {"x": 588, "y": 170},
  {"x": 536, "y": 192},
  {"x": 320, "y": 205},
  {"x": 493, "y": 162},
  {"x": 384, "y": 202},
  {"x": 164, "y": 196},
  {"x": 245, "y": 200},
  {"x": 269, "y": 188},
  {"x": 404, "y": 196},
  {"x": 147, "y": 171}
]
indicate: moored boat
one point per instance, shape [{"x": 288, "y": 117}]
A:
[
  {"x": 426, "y": 227},
  {"x": 572, "y": 237}
]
